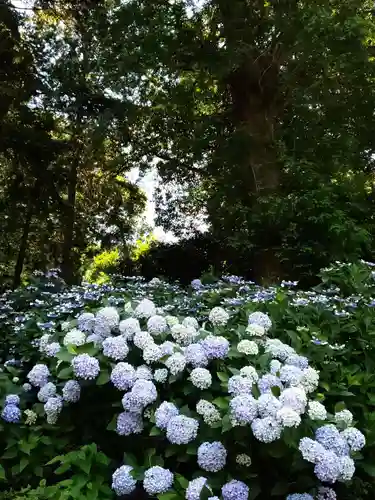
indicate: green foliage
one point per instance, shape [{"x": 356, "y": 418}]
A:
[{"x": 103, "y": 264}]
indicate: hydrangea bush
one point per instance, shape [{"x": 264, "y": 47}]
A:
[{"x": 191, "y": 394}]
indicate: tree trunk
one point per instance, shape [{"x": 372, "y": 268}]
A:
[
  {"x": 23, "y": 248},
  {"x": 68, "y": 264}
]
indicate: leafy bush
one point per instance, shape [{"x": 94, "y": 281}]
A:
[{"x": 226, "y": 394}]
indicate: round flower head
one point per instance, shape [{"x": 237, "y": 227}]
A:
[
  {"x": 145, "y": 309},
  {"x": 52, "y": 409},
  {"x": 85, "y": 366},
  {"x": 243, "y": 460},
  {"x": 328, "y": 469},
  {"x": 156, "y": 325},
  {"x": 52, "y": 349},
  {"x": 248, "y": 347},
  {"x": 290, "y": 375},
  {"x": 164, "y": 413},
  {"x": 183, "y": 335},
  {"x": 46, "y": 392},
  {"x": 261, "y": 319},
  {"x": 298, "y": 361},
  {"x": 344, "y": 418},
  {"x": 299, "y": 496},
  {"x": 249, "y": 372},
  {"x": 167, "y": 347},
  {"x": 74, "y": 337},
  {"x": 195, "y": 355},
  {"x": 268, "y": 405},
  {"x": 239, "y": 385},
  {"x": 44, "y": 341},
  {"x": 278, "y": 349},
  {"x": 208, "y": 411},
  {"x": 347, "y": 468},
  {"x": 157, "y": 480},
  {"x": 152, "y": 353},
  {"x": 310, "y": 379},
  {"x": 201, "y": 378},
  {"x": 212, "y": 456},
  {"x": 218, "y": 316},
  {"x": 325, "y": 493},
  {"x": 115, "y": 348},
  {"x": 176, "y": 363},
  {"x": 196, "y": 284},
  {"x": 182, "y": 430},
  {"x": 295, "y": 398},
  {"x": 190, "y": 321},
  {"x": 266, "y": 429},
  {"x": 123, "y": 482},
  {"x": 142, "y": 340},
  {"x": 355, "y": 439},
  {"x": 235, "y": 490},
  {"x": 11, "y": 414},
  {"x": 12, "y": 399},
  {"x": 108, "y": 315},
  {"x": 129, "y": 423},
  {"x": 143, "y": 372},
  {"x": 86, "y": 322},
  {"x": 171, "y": 320},
  {"x": 329, "y": 436},
  {"x": 243, "y": 408},
  {"x": 195, "y": 487},
  {"x": 144, "y": 392},
  {"x": 161, "y": 375},
  {"x": 215, "y": 347},
  {"x": 123, "y": 376},
  {"x": 27, "y": 387},
  {"x": 129, "y": 327},
  {"x": 288, "y": 417},
  {"x": 311, "y": 450},
  {"x": 275, "y": 366},
  {"x": 71, "y": 391},
  {"x": 38, "y": 375},
  {"x": 317, "y": 411},
  {"x": 255, "y": 330}
]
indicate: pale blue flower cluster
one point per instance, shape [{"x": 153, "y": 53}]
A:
[
  {"x": 215, "y": 347},
  {"x": 212, "y": 456},
  {"x": 11, "y": 412},
  {"x": 115, "y": 348},
  {"x": 122, "y": 481},
  {"x": 235, "y": 490},
  {"x": 38, "y": 375},
  {"x": 129, "y": 423},
  {"x": 164, "y": 413},
  {"x": 85, "y": 366},
  {"x": 46, "y": 392},
  {"x": 71, "y": 391},
  {"x": 157, "y": 480},
  {"x": 123, "y": 376},
  {"x": 182, "y": 429}
]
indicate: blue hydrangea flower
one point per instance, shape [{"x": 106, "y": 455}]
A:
[
  {"x": 38, "y": 375},
  {"x": 240, "y": 385},
  {"x": 129, "y": 327},
  {"x": 266, "y": 429},
  {"x": 244, "y": 408},
  {"x": 325, "y": 493},
  {"x": 311, "y": 450},
  {"x": 157, "y": 480},
  {"x": 291, "y": 375},
  {"x": 355, "y": 439},
  {"x": 52, "y": 349},
  {"x": 53, "y": 408},
  {"x": 46, "y": 392},
  {"x": 212, "y": 456},
  {"x": 300, "y": 361},
  {"x": 268, "y": 405},
  {"x": 196, "y": 355},
  {"x": 85, "y": 366},
  {"x": 115, "y": 348},
  {"x": 261, "y": 319},
  {"x": 299, "y": 496},
  {"x": 129, "y": 423},
  {"x": 86, "y": 322},
  {"x": 329, "y": 436},
  {"x": 123, "y": 376},
  {"x": 215, "y": 347},
  {"x": 235, "y": 490},
  {"x": 164, "y": 413},
  {"x": 182, "y": 429},
  {"x": 12, "y": 399},
  {"x": 267, "y": 381},
  {"x": 328, "y": 468},
  {"x": 71, "y": 391},
  {"x": 122, "y": 481},
  {"x": 11, "y": 414}
]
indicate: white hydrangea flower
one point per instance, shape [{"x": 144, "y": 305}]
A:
[
  {"x": 142, "y": 340},
  {"x": 176, "y": 363},
  {"x": 288, "y": 417},
  {"x": 243, "y": 459},
  {"x": 247, "y": 347},
  {"x": 161, "y": 375},
  {"x": 74, "y": 337},
  {"x": 218, "y": 316},
  {"x": 344, "y": 418},
  {"x": 171, "y": 320},
  {"x": 295, "y": 398},
  {"x": 209, "y": 412},
  {"x": 145, "y": 309},
  {"x": 108, "y": 315},
  {"x": 152, "y": 353},
  {"x": 129, "y": 327},
  {"x": 255, "y": 330},
  {"x": 65, "y": 325},
  {"x": 310, "y": 379},
  {"x": 156, "y": 325},
  {"x": 201, "y": 378},
  {"x": 250, "y": 372},
  {"x": 190, "y": 321},
  {"x": 183, "y": 335},
  {"x": 317, "y": 411}
]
